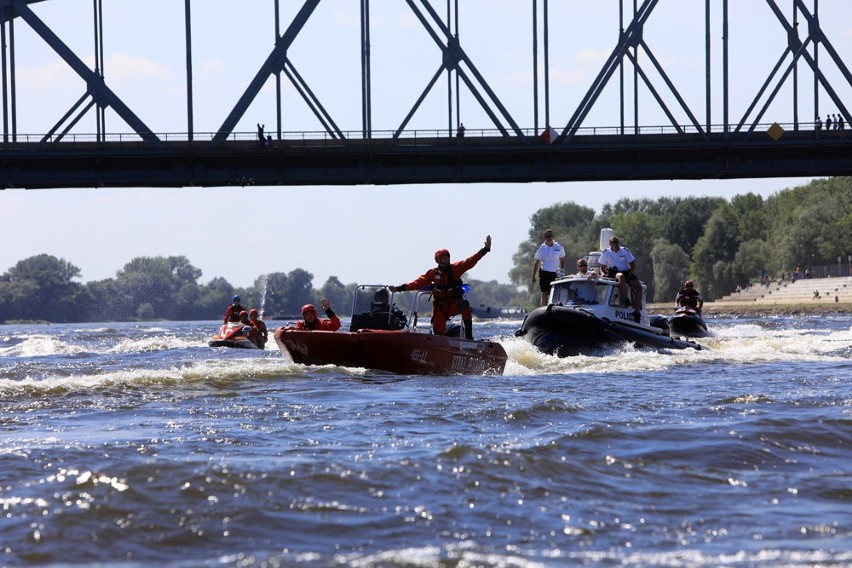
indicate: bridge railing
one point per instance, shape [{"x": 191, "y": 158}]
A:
[{"x": 408, "y": 137}]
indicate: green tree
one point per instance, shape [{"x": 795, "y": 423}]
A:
[
  {"x": 157, "y": 281},
  {"x": 213, "y": 299},
  {"x": 300, "y": 290},
  {"x": 671, "y": 269},
  {"x": 685, "y": 222},
  {"x": 713, "y": 253},
  {"x": 277, "y": 289},
  {"x": 335, "y": 291},
  {"x": 42, "y": 288},
  {"x": 753, "y": 258}
]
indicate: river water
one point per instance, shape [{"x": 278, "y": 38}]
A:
[{"x": 137, "y": 444}]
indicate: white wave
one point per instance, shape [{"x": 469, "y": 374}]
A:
[
  {"x": 39, "y": 346},
  {"x": 199, "y": 372},
  {"x": 748, "y": 343},
  {"x": 524, "y": 359},
  {"x": 149, "y": 344},
  {"x": 742, "y": 330}
]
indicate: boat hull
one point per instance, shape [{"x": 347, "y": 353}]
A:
[
  {"x": 567, "y": 331},
  {"x": 400, "y": 352},
  {"x": 233, "y": 343},
  {"x": 687, "y": 322}
]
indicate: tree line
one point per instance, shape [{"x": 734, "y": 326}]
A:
[
  {"x": 719, "y": 244},
  {"x": 43, "y": 288}
]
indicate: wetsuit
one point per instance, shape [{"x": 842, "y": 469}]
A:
[{"x": 447, "y": 295}]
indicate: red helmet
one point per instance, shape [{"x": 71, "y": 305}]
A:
[
  {"x": 243, "y": 313},
  {"x": 687, "y": 284},
  {"x": 439, "y": 252},
  {"x": 253, "y": 312},
  {"x": 308, "y": 308}
]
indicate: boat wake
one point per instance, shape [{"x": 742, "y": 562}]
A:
[{"x": 738, "y": 344}]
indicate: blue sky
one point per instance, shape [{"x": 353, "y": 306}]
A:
[{"x": 362, "y": 234}]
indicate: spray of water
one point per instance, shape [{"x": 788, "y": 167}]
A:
[{"x": 262, "y": 291}]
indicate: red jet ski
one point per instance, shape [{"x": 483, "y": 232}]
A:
[{"x": 233, "y": 334}]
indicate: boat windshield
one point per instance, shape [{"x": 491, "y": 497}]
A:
[
  {"x": 578, "y": 292},
  {"x": 373, "y": 308}
]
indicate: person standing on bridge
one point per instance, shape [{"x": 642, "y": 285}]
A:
[
  {"x": 447, "y": 289},
  {"x": 549, "y": 260},
  {"x": 260, "y": 137}
]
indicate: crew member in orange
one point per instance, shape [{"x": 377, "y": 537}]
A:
[
  {"x": 312, "y": 322},
  {"x": 249, "y": 329},
  {"x": 262, "y": 332},
  {"x": 446, "y": 285},
  {"x": 232, "y": 314}
]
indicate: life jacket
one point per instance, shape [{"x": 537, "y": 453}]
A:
[
  {"x": 689, "y": 298},
  {"x": 445, "y": 286},
  {"x": 234, "y": 312}
]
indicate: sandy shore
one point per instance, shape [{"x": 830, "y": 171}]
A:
[{"x": 732, "y": 308}]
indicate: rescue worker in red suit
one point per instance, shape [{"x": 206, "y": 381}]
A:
[
  {"x": 688, "y": 297},
  {"x": 232, "y": 314},
  {"x": 446, "y": 284},
  {"x": 312, "y": 322},
  {"x": 249, "y": 329},
  {"x": 262, "y": 332}
]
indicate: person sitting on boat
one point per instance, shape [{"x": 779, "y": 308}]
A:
[
  {"x": 312, "y": 322},
  {"x": 446, "y": 285},
  {"x": 249, "y": 330},
  {"x": 232, "y": 314},
  {"x": 262, "y": 333},
  {"x": 391, "y": 316},
  {"x": 583, "y": 269},
  {"x": 619, "y": 263},
  {"x": 688, "y": 297}
]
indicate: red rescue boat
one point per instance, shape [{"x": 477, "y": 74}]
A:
[{"x": 380, "y": 338}]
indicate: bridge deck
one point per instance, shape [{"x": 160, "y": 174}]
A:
[{"x": 130, "y": 162}]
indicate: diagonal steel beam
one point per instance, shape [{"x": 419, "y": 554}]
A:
[
  {"x": 630, "y": 38},
  {"x": 815, "y": 33},
  {"x": 312, "y": 101},
  {"x": 671, "y": 87},
  {"x": 654, "y": 92},
  {"x": 273, "y": 64},
  {"x": 454, "y": 55},
  {"x": 95, "y": 84}
]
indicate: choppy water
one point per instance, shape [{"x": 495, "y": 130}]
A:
[{"x": 136, "y": 444}]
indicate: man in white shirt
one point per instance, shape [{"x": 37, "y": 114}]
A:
[
  {"x": 618, "y": 262},
  {"x": 549, "y": 258}
]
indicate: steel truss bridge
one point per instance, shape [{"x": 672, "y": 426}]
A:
[{"x": 687, "y": 144}]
